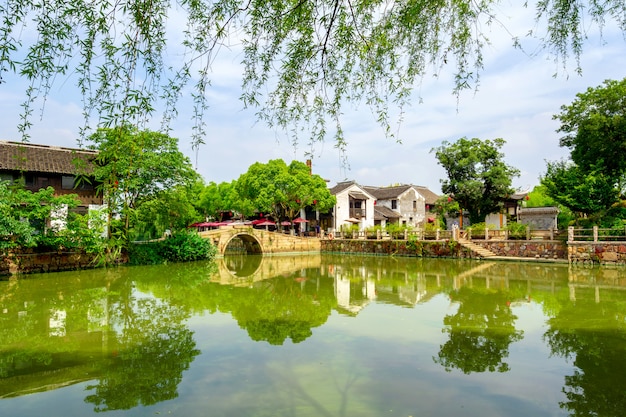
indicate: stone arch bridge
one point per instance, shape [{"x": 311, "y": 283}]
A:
[{"x": 260, "y": 241}]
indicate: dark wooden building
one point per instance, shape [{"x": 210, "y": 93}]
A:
[{"x": 41, "y": 166}]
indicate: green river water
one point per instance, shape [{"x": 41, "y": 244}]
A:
[{"x": 316, "y": 335}]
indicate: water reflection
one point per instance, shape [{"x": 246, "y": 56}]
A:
[{"x": 126, "y": 334}]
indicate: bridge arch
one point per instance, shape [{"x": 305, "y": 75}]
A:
[
  {"x": 251, "y": 244},
  {"x": 259, "y": 241}
]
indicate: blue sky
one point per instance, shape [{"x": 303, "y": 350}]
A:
[{"x": 516, "y": 99}]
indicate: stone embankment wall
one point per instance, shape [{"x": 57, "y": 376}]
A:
[
  {"x": 594, "y": 252},
  {"x": 397, "y": 247},
  {"x": 30, "y": 263},
  {"x": 546, "y": 249}
]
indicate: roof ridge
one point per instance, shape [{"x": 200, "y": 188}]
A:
[{"x": 41, "y": 146}]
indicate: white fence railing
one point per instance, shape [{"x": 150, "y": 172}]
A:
[
  {"x": 596, "y": 234},
  {"x": 439, "y": 234}
]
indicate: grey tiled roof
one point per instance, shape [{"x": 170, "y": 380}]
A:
[
  {"x": 341, "y": 186},
  {"x": 385, "y": 212},
  {"x": 28, "y": 157}
]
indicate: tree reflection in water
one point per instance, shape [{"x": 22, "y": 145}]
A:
[
  {"x": 593, "y": 335},
  {"x": 126, "y": 335},
  {"x": 479, "y": 333}
]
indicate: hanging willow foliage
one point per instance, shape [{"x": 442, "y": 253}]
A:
[{"x": 303, "y": 59}]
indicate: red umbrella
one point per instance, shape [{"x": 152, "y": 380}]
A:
[
  {"x": 300, "y": 220},
  {"x": 266, "y": 223},
  {"x": 285, "y": 223}
]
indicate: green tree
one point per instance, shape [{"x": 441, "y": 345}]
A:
[
  {"x": 302, "y": 60},
  {"x": 478, "y": 178},
  {"x": 24, "y": 215},
  {"x": 217, "y": 199},
  {"x": 282, "y": 191},
  {"x": 169, "y": 209},
  {"x": 582, "y": 192},
  {"x": 134, "y": 166},
  {"x": 594, "y": 128}
]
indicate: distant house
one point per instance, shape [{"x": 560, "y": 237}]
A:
[
  {"x": 368, "y": 206},
  {"x": 40, "y": 166},
  {"x": 354, "y": 206},
  {"x": 404, "y": 204}
]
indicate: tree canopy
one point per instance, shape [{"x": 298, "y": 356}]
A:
[
  {"x": 302, "y": 60},
  {"x": 594, "y": 127},
  {"x": 282, "y": 190},
  {"x": 478, "y": 179},
  {"x": 135, "y": 166}
]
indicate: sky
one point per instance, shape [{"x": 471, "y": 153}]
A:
[{"x": 518, "y": 94}]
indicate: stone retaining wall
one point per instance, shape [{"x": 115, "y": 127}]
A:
[
  {"x": 397, "y": 247},
  {"x": 594, "y": 252},
  {"x": 30, "y": 263},
  {"x": 514, "y": 248},
  {"x": 547, "y": 249}
]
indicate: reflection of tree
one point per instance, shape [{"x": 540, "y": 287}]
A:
[
  {"x": 479, "y": 333},
  {"x": 595, "y": 335},
  {"x": 145, "y": 373},
  {"x": 152, "y": 350},
  {"x": 285, "y": 307}
]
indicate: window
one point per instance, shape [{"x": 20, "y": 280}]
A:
[
  {"x": 394, "y": 204},
  {"x": 6, "y": 177},
  {"x": 29, "y": 180},
  {"x": 414, "y": 204},
  {"x": 67, "y": 182}
]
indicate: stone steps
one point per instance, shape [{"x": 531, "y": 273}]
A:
[{"x": 477, "y": 249}]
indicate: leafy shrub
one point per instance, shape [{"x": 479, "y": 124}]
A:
[
  {"x": 183, "y": 246},
  {"x": 517, "y": 230},
  {"x": 478, "y": 229},
  {"x": 145, "y": 254},
  {"x": 186, "y": 246}
]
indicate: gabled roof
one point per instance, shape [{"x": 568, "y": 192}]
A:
[
  {"x": 430, "y": 197},
  {"x": 539, "y": 210},
  {"x": 386, "y": 193},
  {"x": 383, "y": 213},
  {"x": 28, "y": 157},
  {"x": 342, "y": 186}
]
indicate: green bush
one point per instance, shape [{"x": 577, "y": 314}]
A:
[
  {"x": 183, "y": 246},
  {"x": 145, "y": 254},
  {"x": 187, "y": 246},
  {"x": 517, "y": 230}
]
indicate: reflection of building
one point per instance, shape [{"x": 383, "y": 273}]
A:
[{"x": 353, "y": 296}]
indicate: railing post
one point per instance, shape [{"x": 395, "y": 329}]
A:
[
  {"x": 406, "y": 234},
  {"x": 570, "y": 234},
  {"x": 527, "y": 232},
  {"x": 595, "y": 233},
  {"x": 437, "y": 234},
  {"x": 486, "y": 233}
]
